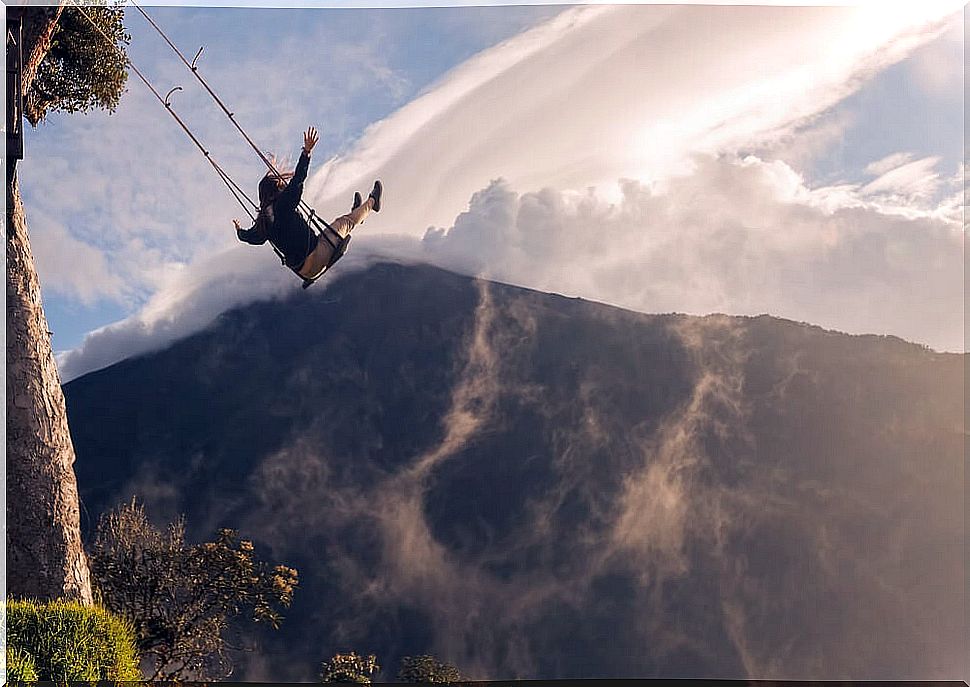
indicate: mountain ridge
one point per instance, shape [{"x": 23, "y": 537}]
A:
[
  {"x": 552, "y": 294},
  {"x": 426, "y": 447}
]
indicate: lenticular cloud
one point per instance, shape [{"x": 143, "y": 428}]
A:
[{"x": 607, "y": 92}]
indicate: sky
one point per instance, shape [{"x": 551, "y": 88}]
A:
[{"x": 804, "y": 162}]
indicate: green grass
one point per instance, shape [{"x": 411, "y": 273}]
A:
[
  {"x": 20, "y": 666},
  {"x": 64, "y": 640}
]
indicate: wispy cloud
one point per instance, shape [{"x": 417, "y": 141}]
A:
[
  {"x": 912, "y": 181},
  {"x": 71, "y": 264},
  {"x": 889, "y": 163},
  {"x": 552, "y": 108},
  {"x": 189, "y": 299},
  {"x": 938, "y": 66}
]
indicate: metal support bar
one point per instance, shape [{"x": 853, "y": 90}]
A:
[{"x": 15, "y": 96}]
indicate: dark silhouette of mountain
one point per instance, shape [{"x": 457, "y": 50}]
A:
[{"x": 528, "y": 485}]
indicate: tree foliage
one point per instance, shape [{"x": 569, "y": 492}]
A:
[
  {"x": 427, "y": 669},
  {"x": 189, "y": 603},
  {"x": 85, "y": 66},
  {"x": 350, "y": 668}
]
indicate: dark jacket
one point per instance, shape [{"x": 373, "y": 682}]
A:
[{"x": 281, "y": 224}]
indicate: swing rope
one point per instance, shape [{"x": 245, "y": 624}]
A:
[
  {"x": 237, "y": 192},
  {"x": 312, "y": 216},
  {"x": 195, "y": 70}
]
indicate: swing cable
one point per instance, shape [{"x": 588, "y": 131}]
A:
[{"x": 195, "y": 70}]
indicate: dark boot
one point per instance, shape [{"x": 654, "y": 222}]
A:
[
  {"x": 358, "y": 201},
  {"x": 376, "y": 195}
]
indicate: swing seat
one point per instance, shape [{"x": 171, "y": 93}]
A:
[
  {"x": 324, "y": 232},
  {"x": 338, "y": 253},
  {"x": 328, "y": 234}
]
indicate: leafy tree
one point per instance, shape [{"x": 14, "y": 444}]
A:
[
  {"x": 427, "y": 669},
  {"x": 85, "y": 66},
  {"x": 349, "y": 668},
  {"x": 188, "y": 603}
]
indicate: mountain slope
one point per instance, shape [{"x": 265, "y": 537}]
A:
[{"x": 535, "y": 486}]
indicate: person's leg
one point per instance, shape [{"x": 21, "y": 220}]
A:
[
  {"x": 316, "y": 260},
  {"x": 344, "y": 224}
]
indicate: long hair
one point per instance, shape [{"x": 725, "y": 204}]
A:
[{"x": 270, "y": 186}]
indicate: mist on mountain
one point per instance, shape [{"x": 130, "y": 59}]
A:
[{"x": 533, "y": 486}]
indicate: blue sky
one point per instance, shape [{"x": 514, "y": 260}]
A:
[
  {"x": 416, "y": 46},
  {"x": 897, "y": 109},
  {"x": 840, "y": 127}
]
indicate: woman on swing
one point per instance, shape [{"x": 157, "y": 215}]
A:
[{"x": 279, "y": 222}]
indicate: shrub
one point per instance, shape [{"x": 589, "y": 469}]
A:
[
  {"x": 189, "y": 604},
  {"x": 427, "y": 669},
  {"x": 350, "y": 668},
  {"x": 20, "y": 666},
  {"x": 65, "y": 641}
]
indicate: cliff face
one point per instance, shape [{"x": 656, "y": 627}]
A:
[{"x": 534, "y": 486}]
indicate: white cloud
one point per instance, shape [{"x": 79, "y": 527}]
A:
[
  {"x": 938, "y": 68},
  {"x": 70, "y": 265},
  {"x": 916, "y": 179},
  {"x": 189, "y": 298},
  {"x": 559, "y": 106},
  {"x": 738, "y": 236},
  {"x": 734, "y": 236},
  {"x": 804, "y": 145},
  {"x": 889, "y": 163},
  {"x": 905, "y": 187}
]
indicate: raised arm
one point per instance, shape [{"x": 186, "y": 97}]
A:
[{"x": 294, "y": 190}]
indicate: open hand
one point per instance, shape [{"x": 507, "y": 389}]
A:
[{"x": 310, "y": 139}]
